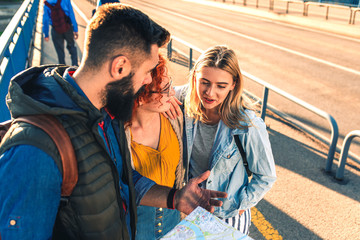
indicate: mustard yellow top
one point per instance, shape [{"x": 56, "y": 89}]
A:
[{"x": 159, "y": 164}]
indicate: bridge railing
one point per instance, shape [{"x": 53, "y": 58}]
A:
[
  {"x": 344, "y": 153},
  {"x": 267, "y": 87},
  {"x": 351, "y": 8},
  {"x": 15, "y": 45}
]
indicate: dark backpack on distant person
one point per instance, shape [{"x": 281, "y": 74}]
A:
[
  {"x": 58, "y": 134},
  {"x": 60, "y": 21}
]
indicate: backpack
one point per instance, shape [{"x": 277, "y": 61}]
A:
[
  {"x": 58, "y": 134},
  {"x": 60, "y": 21}
]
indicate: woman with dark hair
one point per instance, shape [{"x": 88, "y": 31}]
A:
[{"x": 156, "y": 148}]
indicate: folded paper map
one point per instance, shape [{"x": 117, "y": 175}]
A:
[{"x": 201, "y": 224}]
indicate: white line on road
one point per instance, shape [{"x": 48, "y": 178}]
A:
[
  {"x": 266, "y": 43},
  {"x": 247, "y": 37},
  {"x": 231, "y": 8},
  {"x": 82, "y": 15}
]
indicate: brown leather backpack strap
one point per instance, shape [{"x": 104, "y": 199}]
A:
[
  {"x": 58, "y": 134},
  {"x": 4, "y": 127}
]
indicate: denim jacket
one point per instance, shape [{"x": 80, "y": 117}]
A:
[{"x": 228, "y": 173}]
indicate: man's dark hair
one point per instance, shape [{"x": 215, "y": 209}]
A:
[{"x": 119, "y": 29}]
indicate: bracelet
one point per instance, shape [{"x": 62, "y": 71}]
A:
[{"x": 170, "y": 199}]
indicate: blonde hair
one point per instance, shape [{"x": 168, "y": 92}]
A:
[{"x": 232, "y": 109}]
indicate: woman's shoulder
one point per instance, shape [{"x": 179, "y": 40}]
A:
[
  {"x": 181, "y": 91},
  {"x": 250, "y": 116},
  {"x": 249, "y": 120}
]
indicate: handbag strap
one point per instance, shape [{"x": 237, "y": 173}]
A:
[{"x": 243, "y": 155}]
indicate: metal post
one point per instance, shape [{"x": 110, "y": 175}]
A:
[
  {"x": 169, "y": 50},
  {"x": 334, "y": 138},
  {"x": 287, "y": 7},
  {"x": 354, "y": 15},
  {"x": 344, "y": 153},
  {"x": 271, "y": 5},
  {"x": 190, "y": 58},
  {"x": 327, "y": 13},
  {"x": 264, "y": 103}
]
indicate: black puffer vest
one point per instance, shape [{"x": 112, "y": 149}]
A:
[{"x": 95, "y": 209}]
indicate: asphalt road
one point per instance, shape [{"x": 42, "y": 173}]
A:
[{"x": 318, "y": 67}]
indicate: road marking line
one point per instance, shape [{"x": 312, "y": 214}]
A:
[
  {"x": 246, "y": 10},
  {"x": 266, "y": 43},
  {"x": 82, "y": 15},
  {"x": 264, "y": 227}
]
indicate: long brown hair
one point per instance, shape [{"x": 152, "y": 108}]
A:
[{"x": 232, "y": 109}]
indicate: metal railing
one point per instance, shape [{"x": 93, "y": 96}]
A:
[
  {"x": 267, "y": 87},
  {"x": 354, "y": 11},
  {"x": 353, "y": 8},
  {"x": 344, "y": 153},
  {"x": 15, "y": 45}
]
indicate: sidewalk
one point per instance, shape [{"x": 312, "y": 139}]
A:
[{"x": 305, "y": 203}]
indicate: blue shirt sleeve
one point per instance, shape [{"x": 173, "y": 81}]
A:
[
  {"x": 69, "y": 11},
  {"x": 30, "y": 195},
  {"x": 46, "y": 20},
  {"x": 142, "y": 185}
]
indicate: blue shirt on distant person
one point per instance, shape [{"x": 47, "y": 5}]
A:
[{"x": 68, "y": 10}]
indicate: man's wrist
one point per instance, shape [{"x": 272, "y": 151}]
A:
[{"x": 171, "y": 199}]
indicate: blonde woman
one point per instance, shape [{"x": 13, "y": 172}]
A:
[{"x": 216, "y": 112}]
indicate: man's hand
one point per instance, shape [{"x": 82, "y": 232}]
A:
[
  {"x": 46, "y": 39},
  {"x": 76, "y": 35},
  {"x": 174, "y": 110},
  {"x": 192, "y": 196}
]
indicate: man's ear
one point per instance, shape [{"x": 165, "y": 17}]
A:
[{"x": 120, "y": 67}]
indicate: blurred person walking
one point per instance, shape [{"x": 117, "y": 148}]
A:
[{"x": 60, "y": 15}]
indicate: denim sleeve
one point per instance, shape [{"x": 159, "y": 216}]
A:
[
  {"x": 30, "y": 196},
  {"x": 46, "y": 21},
  {"x": 142, "y": 185},
  {"x": 261, "y": 164}
]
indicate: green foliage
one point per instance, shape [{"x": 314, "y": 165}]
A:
[{"x": 10, "y": 1}]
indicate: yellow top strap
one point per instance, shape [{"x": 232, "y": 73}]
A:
[{"x": 159, "y": 164}]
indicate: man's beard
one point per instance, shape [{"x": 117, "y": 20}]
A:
[{"x": 118, "y": 98}]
